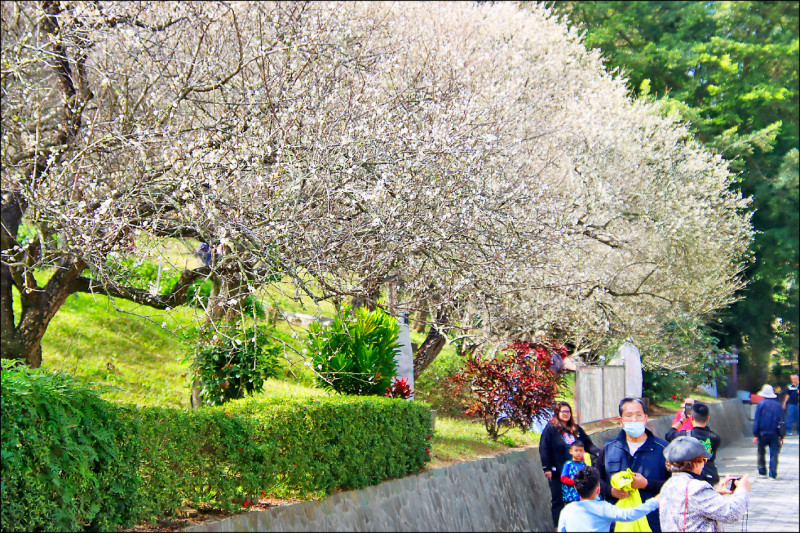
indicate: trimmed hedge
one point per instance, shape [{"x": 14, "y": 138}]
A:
[{"x": 91, "y": 464}]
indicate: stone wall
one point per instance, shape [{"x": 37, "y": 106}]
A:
[{"x": 503, "y": 493}]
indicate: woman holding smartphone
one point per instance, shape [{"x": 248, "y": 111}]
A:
[{"x": 689, "y": 502}]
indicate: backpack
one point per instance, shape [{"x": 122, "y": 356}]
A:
[{"x": 781, "y": 428}]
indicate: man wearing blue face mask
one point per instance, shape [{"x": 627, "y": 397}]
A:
[{"x": 638, "y": 449}]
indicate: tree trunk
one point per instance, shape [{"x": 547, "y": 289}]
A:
[
  {"x": 23, "y": 340},
  {"x": 224, "y": 289},
  {"x": 369, "y": 301},
  {"x": 18, "y": 346},
  {"x": 419, "y": 320},
  {"x": 433, "y": 343},
  {"x": 196, "y": 399}
]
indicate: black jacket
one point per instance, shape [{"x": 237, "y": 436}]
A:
[
  {"x": 710, "y": 440},
  {"x": 554, "y": 450}
]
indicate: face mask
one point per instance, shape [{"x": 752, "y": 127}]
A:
[{"x": 634, "y": 429}]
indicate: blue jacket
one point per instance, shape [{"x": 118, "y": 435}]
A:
[
  {"x": 648, "y": 461},
  {"x": 768, "y": 413}
]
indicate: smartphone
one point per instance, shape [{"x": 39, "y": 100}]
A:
[
  {"x": 732, "y": 483},
  {"x": 687, "y": 409}
]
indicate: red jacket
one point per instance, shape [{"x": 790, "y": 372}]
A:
[{"x": 687, "y": 424}]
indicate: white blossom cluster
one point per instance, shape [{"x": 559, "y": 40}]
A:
[{"x": 478, "y": 155}]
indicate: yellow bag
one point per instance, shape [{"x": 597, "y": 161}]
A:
[
  {"x": 622, "y": 480},
  {"x": 587, "y": 459}
]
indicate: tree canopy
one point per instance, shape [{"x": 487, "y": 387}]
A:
[
  {"x": 477, "y": 156},
  {"x": 730, "y": 70}
]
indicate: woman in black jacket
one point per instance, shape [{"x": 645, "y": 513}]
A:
[{"x": 554, "y": 445}]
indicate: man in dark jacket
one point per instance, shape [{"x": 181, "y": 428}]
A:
[
  {"x": 638, "y": 449},
  {"x": 765, "y": 430},
  {"x": 699, "y": 416}
]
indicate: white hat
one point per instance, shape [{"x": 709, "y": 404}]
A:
[{"x": 767, "y": 392}]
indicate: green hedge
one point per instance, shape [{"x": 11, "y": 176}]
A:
[
  {"x": 68, "y": 459},
  {"x": 92, "y": 464}
]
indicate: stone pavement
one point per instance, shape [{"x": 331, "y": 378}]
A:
[{"x": 773, "y": 504}]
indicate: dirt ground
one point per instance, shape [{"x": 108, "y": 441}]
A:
[{"x": 193, "y": 517}]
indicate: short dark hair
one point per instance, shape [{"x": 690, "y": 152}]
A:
[
  {"x": 578, "y": 443},
  {"x": 682, "y": 466},
  {"x": 586, "y": 480},
  {"x": 700, "y": 412},
  {"x": 628, "y": 400}
]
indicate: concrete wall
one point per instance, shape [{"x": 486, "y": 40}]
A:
[{"x": 503, "y": 493}]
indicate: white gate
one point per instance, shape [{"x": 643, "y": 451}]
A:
[{"x": 598, "y": 391}]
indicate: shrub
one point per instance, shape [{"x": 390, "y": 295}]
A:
[
  {"x": 512, "y": 389},
  {"x": 282, "y": 445},
  {"x": 399, "y": 389},
  {"x": 341, "y": 441},
  {"x": 661, "y": 384},
  {"x": 73, "y": 461},
  {"x": 231, "y": 362},
  {"x": 355, "y": 353},
  {"x": 69, "y": 458},
  {"x": 435, "y": 387},
  {"x": 204, "y": 458}
]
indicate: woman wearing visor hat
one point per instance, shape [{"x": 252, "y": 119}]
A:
[{"x": 688, "y": 501}]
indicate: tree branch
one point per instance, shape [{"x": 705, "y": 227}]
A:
[{"x": 176, "y": 297}]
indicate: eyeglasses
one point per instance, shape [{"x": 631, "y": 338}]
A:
[{"x": 565, "y": 411}]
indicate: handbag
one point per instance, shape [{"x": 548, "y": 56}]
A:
[{"x": 685, "y": 507}]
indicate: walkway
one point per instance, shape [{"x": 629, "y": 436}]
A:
[{"x": 773, "y": 504}]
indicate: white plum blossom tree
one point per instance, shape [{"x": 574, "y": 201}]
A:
[{"x": 475, "y": 155}]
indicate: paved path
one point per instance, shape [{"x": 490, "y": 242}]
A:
[{"x": 773, "y": 504}]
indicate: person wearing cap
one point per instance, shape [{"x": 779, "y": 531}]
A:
[
  {"x": 689, "y": 502},
  {"x": 769, "y": 413}
]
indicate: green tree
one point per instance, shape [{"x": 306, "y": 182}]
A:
[{"x": 730, "y": 70}]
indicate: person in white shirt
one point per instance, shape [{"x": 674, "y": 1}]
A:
[{"x": 591, "y": 514}]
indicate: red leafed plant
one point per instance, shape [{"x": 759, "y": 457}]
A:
[
  {"x": 511, "y": 389},
  {"x": 399, "y": 389}
]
